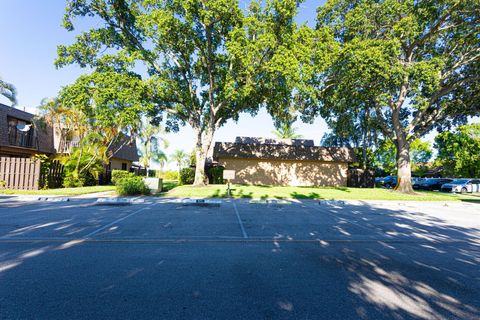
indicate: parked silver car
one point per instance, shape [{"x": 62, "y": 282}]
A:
[{"x": 462, "y": 186}]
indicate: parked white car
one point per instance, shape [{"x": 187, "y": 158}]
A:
[{"x": 462, "y": 186}]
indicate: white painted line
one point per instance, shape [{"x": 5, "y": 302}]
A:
[
  {"x": 116, "y": 221},
  {"x": 239, "y": 220}
]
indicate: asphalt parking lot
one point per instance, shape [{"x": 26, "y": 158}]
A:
[{"x": 290, "y": 260}]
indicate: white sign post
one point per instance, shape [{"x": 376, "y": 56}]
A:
[{"x": 228, "y": 175}]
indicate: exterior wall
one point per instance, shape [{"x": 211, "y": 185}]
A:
[
  {"x": 116, "y": 164},
  {"x": 287, "y": 172}
]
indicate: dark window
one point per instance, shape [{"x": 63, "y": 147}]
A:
[
  {"x": 20, "y": 133},
  {"x": 124, "y": 166}
]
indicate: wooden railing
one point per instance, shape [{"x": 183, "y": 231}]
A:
[{"x": 22, "y": 139}]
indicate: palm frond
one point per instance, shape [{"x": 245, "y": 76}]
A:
[{"x": 9, "y": 91}]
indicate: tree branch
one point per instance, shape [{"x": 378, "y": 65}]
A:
[
  {"x": 382, "y": 122},
  {"x": 420, "y": 121}
]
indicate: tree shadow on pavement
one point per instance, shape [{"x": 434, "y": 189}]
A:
[{"x": 411, "y": 265}]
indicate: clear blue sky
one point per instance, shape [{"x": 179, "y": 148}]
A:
[{"x": 31, "y": 31}]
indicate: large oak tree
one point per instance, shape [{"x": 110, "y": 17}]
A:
[
  {"x": 206, "y": 61},
  {"x": 415, "y": 65}
]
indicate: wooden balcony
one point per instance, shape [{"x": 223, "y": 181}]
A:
[{"x": 22, "y": 139}]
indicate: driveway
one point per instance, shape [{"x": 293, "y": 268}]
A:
[{"x": 162, "y": 259}]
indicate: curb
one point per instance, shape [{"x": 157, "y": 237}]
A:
[{"x": 197, "y": 202}]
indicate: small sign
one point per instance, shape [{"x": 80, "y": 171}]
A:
[{"x": 228, "y": 174}]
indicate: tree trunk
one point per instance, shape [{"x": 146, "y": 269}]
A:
[
  {"x": 202, "y": 145},
  {"x": 200, "y": 176},
  {"x": 404, "y": 167},
  {"x": 365, "y": 136}
]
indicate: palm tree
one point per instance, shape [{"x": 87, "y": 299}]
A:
[
  {"x": 287, "y": 131},
  {"x": 65, "y": 120},
  {"x": 180, "y": 158},
  {"x": 162, "y": 161},
  {"x": 150, "y": 138},
  {"x": 8, "y": 91}
]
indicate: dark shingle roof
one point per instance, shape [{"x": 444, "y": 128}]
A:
[
  {"x": 282, "y": 152},
  {"x": 125, "y": 149},
  {"x": 261, "y": 140}
]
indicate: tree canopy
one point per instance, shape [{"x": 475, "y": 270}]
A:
[
  {"x": 413, "y": 64},
  {"x": 459, "y": 151},
  {"x": 205, "y": 61},
  {"x": 102, "y": 112},
  {"x": 387, "y": 68}
]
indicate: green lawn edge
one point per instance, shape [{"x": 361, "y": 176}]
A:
[
  {"x": 262, "y": 192},
  {"x": 316, "y": 193},
  {"x": 60, "y": 191}
]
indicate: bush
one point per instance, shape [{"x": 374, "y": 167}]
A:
[
  {"x": 169, "y": 175},
  {"x": 73, "y": 180},
  {"x": 70, "y": 181},
  {"x": 117, "y": 175},
  {"x": 216, "y": 174},
  {"x": 45, "y": 163},
  {"x": 89, "y": 165},
  {"x": 88, "y": 179},
  {"x": 187, "y": 176},
  {"x": 130, "y": 186}
]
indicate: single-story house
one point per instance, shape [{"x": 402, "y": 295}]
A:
[
  {"x": 123, "y": 154},
  {"x": 286, "y": 162}
]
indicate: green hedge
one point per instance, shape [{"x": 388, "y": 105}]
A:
[
  {"x": 187, "y": 176},
  {"x": 117, "y": 175},
  {"x": 85, "y": 179},
  {"x": 130, "y": 186}
]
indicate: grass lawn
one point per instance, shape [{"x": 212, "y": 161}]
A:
[
  {"x": 169, "y": 185},
  {"x": 343, "y": 193},
  {"x": 60, "y": 191}
]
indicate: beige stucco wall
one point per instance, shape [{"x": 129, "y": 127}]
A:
[
  {"x": 287, "y": 173},
  {"x": 116, "y": 164}
]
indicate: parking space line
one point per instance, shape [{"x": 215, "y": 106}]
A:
[
  {"x": 116, "y": 221},
  {"x": 245, "y": 236}
]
